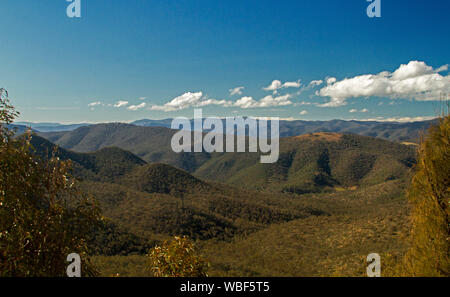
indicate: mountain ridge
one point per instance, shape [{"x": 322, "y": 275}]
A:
[{"x": 394, "y": 131}]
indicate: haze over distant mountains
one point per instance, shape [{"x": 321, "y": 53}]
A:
[
  {"x": 50, "y": 127},
  {"x": 394, "y": 131}
]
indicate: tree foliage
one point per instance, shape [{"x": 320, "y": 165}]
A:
[
  {"x": 177, "y": 258},
  {"x": 43, "y": 217},
  {"x": 429, "y": 195}
]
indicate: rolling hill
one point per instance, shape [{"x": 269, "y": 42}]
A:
[
  {"x": 330, "y": 200},
  {"x": 104, "y": 165},
  {"x": 152, "y": 144},
  {"x": 313, "y": 162},
  {"x": 156, "y": 200}
]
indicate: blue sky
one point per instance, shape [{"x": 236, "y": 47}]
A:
[{"x": 192, "y": 53}]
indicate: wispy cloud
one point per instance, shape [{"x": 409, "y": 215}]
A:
[
  {"x": 236, "y": 91},
  {"x": 96, "y": 103},
  {"x": 137, "y": 107},
  {"x": 121, "y": 103},
  {"x": 399, "y": 119},
  {"x": 302, "y": 103},
  {"x": 353, "y": 110}
]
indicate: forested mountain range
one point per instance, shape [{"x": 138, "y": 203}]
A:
[
  {"x": 325, "y": 185},
  {"x": 305, "y": 162},
  {"x": 394, "y": 131}
]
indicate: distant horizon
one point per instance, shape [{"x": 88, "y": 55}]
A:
[{"x": 286, "y": 120}]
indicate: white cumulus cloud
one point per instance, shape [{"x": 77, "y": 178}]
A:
[
  {"x": 267, "y": 101},
  {"x": 414, "y": 80},
  {"x": 331, "y": 80},
  {"x": 246, "y": 102},
  {"x": 188, "y": 100},
  {"x": 276, "y": 85},
  {"x": 291, "y": 84},
  {"x": 197, "y": 99}
]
